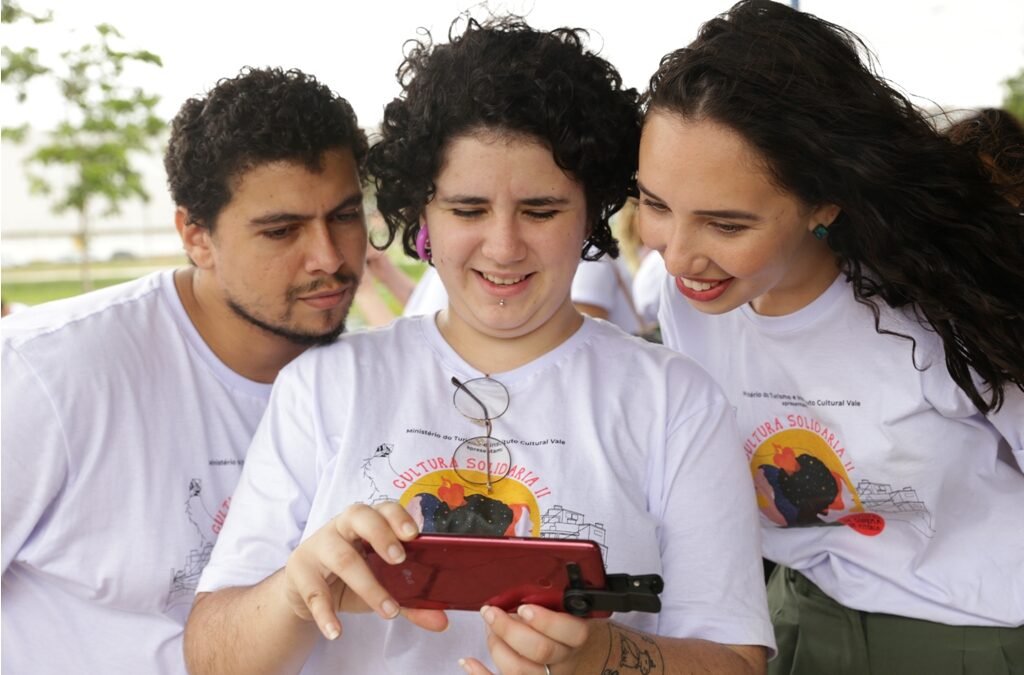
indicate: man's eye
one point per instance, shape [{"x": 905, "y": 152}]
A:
[
  {"x": 348, "y": 216},
  {"x": 278, "y": 233}
]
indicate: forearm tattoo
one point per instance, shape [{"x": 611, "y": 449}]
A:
[{"x": 631, "y": 652}]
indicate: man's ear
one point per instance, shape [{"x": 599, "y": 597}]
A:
[{"x": 195, "y": 239}]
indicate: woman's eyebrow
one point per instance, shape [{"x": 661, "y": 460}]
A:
[{"x": 731, "y": 214}]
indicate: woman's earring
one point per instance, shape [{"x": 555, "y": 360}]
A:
[
  {"x": 820, "y": 232},
  {"x": 423, "y": 243}
]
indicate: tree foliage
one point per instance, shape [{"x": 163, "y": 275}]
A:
[
  {"x": 1013, "y": 101},
  {"x": 20, "y": 66},
  {"x": 88, "y": 160}
]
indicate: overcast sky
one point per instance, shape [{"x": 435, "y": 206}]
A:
[{"x": 953, "y": 52}]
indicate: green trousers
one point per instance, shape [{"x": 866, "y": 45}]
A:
[{"x": 818, "y": 636}]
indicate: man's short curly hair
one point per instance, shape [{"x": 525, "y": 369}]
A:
[
  {"x": 260, "y": 116},
  {"x": 504, "y": 76}
]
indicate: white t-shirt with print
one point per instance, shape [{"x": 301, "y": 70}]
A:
[
  {"x": 123, "y": 438},
  {"x": 611, "y": 439},
  {"x": 879, "y": 481}
]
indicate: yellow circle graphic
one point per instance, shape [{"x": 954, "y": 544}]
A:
[
  {"x": 442, "y": 500},
  {"x": 783, "y": 456}
]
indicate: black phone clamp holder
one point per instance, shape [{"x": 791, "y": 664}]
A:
[{"x": 622, "y": 593}]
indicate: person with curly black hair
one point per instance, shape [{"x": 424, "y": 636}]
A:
[
  {"x": 507, "y": 413},
  {"x": 274, "y": 279},
  {"x": 127, "y": 412},
  {"x": 855, "y": 282}
]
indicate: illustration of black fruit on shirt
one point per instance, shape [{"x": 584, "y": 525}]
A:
[
  {"x": 451, "y": 511},
  {"x": 804, "y": 487}
]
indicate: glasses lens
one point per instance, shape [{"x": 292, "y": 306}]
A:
[
  {"x": 471, "y": 457},
  {"x": 481, "y": 399}
]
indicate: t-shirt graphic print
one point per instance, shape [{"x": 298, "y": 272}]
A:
[{"x": 802, "y": 476}]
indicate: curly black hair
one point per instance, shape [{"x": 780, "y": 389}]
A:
[
  {"x": 505, "y": 76},
  {"x": 259, "y": 116},
  {"x": 921, "y": 224},
  {"x": 996, "y": 136}
]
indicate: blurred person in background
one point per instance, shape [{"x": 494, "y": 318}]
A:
[
  {"x": 380, "y": 269},
  {"x": 603, "y": 288},
  {"x": 10, "y": 307},
  {"x": 647, "y": 284}
]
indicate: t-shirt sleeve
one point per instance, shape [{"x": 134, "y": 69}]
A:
[
  {"x": 271, "y": 503},
  {"x": 951, "y": 401},
  {"x": 35, "y": 454},
  {"x": 595, "y": 284},
  {"x": 710, "y": 539}
]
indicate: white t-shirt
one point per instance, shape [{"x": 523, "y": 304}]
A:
[
  {"x": 606, "y": 283},
  {"x": 611, "y": 438},
  {"x": 428, "y": 296},
  {"x": 647, "y": 283},
  {"x": 839, "y": 427},
  {"x": 123, "y": 437}
]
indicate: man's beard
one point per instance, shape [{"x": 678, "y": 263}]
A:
[{"x": 305, "y": 339}]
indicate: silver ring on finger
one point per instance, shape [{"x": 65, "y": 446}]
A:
[{"x": 547, "y": 669}]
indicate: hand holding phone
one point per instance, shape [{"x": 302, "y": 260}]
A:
[{"x": 467, "y": 572}]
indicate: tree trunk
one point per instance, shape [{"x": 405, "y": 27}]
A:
[{"x": 83, "y": 240}]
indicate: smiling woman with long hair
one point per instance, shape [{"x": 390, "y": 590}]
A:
[{"x": 855, "y": 282}]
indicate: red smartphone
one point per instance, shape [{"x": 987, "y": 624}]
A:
[{"x": 454, "y": 571}]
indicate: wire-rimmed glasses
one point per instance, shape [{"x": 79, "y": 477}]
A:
[{"x": 482, "y": 400}]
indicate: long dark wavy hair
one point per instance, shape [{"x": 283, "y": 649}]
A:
[
  {"x": 996, "y": 136},
  {"x": 921, "y": 225},
  {"x": 504, "y": 76}
]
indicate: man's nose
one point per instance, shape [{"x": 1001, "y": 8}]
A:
[{"x": 323, "y": 255}]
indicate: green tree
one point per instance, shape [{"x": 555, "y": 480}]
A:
[
  {"x": 87, "y": 163},
  {"x": 18, "y": 67},
  {"x": 1013, "y": 101}
]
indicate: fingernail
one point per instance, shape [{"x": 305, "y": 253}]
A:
[
  {"x": 396, "y": 553},
  {"x": 464, "y": 665},
  {"x": 390, "y": 608},
  {"x": 409, "y": 530},
  {"x": 525, "y": 612},
  {"x": 332, "y": 632},
  {"x": 487, "y": 613}
]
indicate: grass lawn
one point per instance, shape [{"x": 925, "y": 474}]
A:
[
  {"x": 35, "y": 292},
  {"x": 30, "y": 285}
]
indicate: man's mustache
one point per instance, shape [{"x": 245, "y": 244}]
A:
[{"x": 337, "y": 279}]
